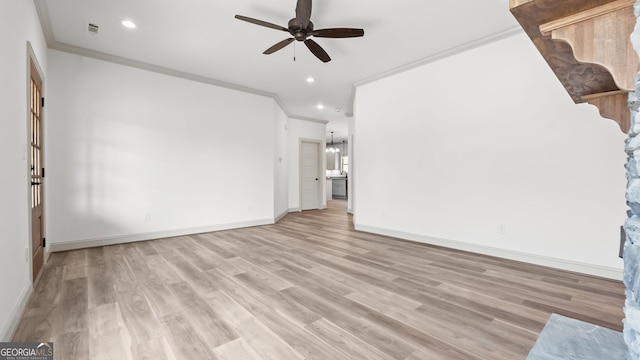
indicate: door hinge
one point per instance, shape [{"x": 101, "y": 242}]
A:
[
  {"x": 42, "y": 172},
  {"x": 44, "y": 242},
  {"x": 42, "y": 101}
]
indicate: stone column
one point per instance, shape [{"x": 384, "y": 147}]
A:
[
  {"x": 632, "y": 229},
  {"x": 632, "y": 225}
]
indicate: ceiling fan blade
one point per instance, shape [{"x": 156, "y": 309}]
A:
[
  {"x": 317, "y": 50},
  {"x": 338, "y": 33},
  {"x": 261, "y": 23},
  {"x": 303, "y": 13},
  {"x": 278, "y": 46}
]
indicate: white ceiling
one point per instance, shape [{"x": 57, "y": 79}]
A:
[{"x": 201, "y": 39}]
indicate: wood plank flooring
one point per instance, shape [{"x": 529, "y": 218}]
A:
[{"x": 309, "y": 287}]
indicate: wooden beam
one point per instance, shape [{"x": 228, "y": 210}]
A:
[
  {"x": 587, "y": 45},
  {"x": 613, "y": 105},
  {"x": 578, "y": 78},
  {"x": 597, "y": 36}
]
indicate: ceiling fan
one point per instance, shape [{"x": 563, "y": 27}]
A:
[{"x": 301, "y": 28}]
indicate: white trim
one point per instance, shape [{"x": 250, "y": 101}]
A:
[
  {"x": 72, "y": 49},
  {"x": 292, "y": 210},
  {"x": 45, "y": 22},
  {"x": 304, "y": 118},
  {"x": 281, "y": 216},
  {"x": 47, "y": 29},
  {"x": 433, "y": 58},
  {"x": 9, "y": 329},
  {"x": 114, "y": 240},
  {"x": 444, "y": 54},
  {"x": 584, "y": 268}
]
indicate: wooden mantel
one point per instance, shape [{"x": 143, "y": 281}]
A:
[{"x": 587, "y": 45}]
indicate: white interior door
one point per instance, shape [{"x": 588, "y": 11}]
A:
[{"x": 310, "y": 176}]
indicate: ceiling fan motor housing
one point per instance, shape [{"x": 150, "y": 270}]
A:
[
  {"x": 301, "y": 29},
  {"x": 298, "y": 33}
]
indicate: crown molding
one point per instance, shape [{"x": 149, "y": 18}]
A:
[
  {"x": 304, "y": 118},
  {"x": 444, "y": 54},
  {"x": 52, "y": 43},
  {"x": 435, "y": 57},
  {"x": 45, "y": 22},
  {"x": 72, "y": 49}
]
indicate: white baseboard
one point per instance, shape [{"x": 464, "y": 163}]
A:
[
  {"x": 8, "y": 330},
  {"x": 584, "y": 268},
  {"x": 322, "y": 207},
  {"x": 281, "y": 216},
  {"x": 83, "y": 244}
]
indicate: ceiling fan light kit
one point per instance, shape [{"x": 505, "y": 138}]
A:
[{"x": 301, "y": 29}]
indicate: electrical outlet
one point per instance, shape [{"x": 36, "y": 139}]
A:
[
  {"x": 147, "y": 217},
  {"x": 502, "y": 229}
]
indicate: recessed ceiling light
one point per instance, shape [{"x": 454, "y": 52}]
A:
[
  {"x": 128, "y": 24},
  {"x": 310, "y": 79},
  {"x": 320, "y": 106}
]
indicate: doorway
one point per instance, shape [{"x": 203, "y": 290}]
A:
[
  {"x": 310, "y": 165},
  {"x": 36, "y": 166}
]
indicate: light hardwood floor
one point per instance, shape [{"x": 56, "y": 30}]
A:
[{"x": 309, "y": 287}]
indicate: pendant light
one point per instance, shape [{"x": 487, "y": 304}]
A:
[{"x": 331, "y": 148}]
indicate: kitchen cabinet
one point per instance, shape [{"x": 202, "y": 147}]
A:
[{"x": 339, "y": 188}]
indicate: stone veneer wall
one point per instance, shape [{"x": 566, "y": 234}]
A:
[
  {"x": 632, "y": 229},
  {"x": 632, "y": 225}
]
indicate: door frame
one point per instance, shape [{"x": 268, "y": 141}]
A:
[
  {"x": 32, "y": 59},
  {"x": 351, "y": 185},
  {"x": 321, "y": 165}
]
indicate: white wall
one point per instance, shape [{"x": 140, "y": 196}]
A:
[
  {"x": 490, "y": 137},
  {"x": 18, "y": 25},
  {"x": 125, "y": 143},
  {"x": 300, "y": 129},
  {"x": 281, "y": 163}
]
